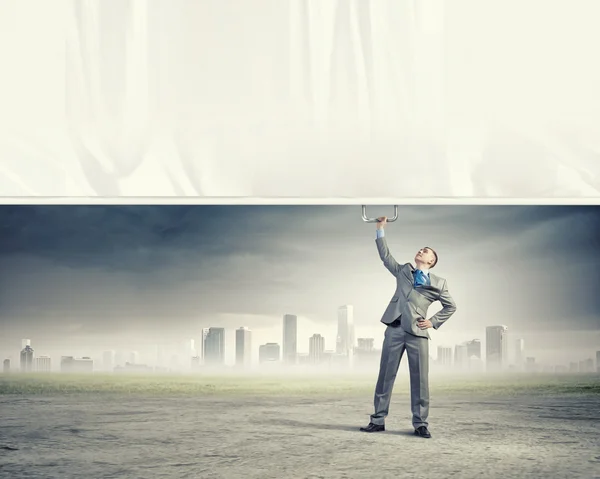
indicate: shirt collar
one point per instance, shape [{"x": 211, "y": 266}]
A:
[{"x": 425, "y": 271}]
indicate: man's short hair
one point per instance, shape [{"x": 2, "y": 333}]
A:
[{"x": 434, "y": 254}]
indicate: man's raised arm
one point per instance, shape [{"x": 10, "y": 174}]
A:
[{"x": 384, "y": 252}]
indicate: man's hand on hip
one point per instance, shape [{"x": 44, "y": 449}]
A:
[
  {"x": 381, "y": 222},
  {"x": 424, "y": 324}
]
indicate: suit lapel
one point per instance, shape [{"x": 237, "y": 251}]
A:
[
  {"x": 410, "y": 273},
  {"x": 430, "y": 291},
  {"x": 406, "y": 286}
]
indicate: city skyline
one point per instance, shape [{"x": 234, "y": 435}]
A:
[
  {"x": 466, "y": 356},
  {"x": 462, "y": 358},
  {"x": 100, "y": 275}
]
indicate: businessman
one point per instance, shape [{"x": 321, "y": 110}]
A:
[{"x": 405, "y": 317}]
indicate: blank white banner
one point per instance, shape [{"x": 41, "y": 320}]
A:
[{"x": 300, "y": 98}]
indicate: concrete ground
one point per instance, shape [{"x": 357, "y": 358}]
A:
[{"x": 296, "y": 437}]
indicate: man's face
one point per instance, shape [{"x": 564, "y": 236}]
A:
[{"x": 426, "y": 256}]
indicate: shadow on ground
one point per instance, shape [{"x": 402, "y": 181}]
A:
[{"x": 337, "y": 427}]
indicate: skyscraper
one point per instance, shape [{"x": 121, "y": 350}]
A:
[
  {"x": 134, "y": 357},
  {"x": 444, "y": 356},
  {"x": 243, "y": 345},
  {"x": 496, "y": 347},
  {"x": 27, "y": 358},
  {"x": 214, "y": 346},
  {"x": 316, "y": 348},
  {"x": 474, "y": 348},
  {"x": 70, "y": 364},
  {"x": 461, "y": 356},
  {"x": 290, "y": 338},
  {"x": 366, "y": 344},
  {"x": 203, "y": 344},
  {"x": 269, "y": 352},
  {"x": 42, "y": 364},
  {"x": 519, "y": 351},
  {"x": 345, "y": 335}
]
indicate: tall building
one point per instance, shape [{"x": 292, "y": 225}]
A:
[
  {"x": 444, "y": 356},
  {"x": 496, "y": 347},
  {"x": 519, "y": 351},
  {"x": 598, "y": 362},
  {"x": 25, "y": 343},
  {"x": 203, "y": 344},
  {"x": 6, "y": 366},
  {"x": 269, "y": 352},
  {"x": 243, "y": 345},
  {"x": 108, "y": 360},
  {"x": 366, "y": 344},
  {"x": 316, "y": 348},
  {"x": 66, "y": 364},
  {"x": 365, "y": 354},
  {"x": 345, "y": 334},
  {"x": 214, "y": 346},
  {"x": 474, "y": 348},
  {"x": 290, "y": 338},
  {"x": 70, "y": 364},
  {"x": 120, "y": 358},
  {"x": 134, "y": 357},
  {"x": 461, "y": 356},
  {"x": 475, "y": 364},
  {"x": 42, "y": 364},
  {"x": 27, "y": 358}
]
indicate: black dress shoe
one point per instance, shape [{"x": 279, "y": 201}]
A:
[
  {"x": 373, "y": 428},
  {"x": 422, "y": 432}
]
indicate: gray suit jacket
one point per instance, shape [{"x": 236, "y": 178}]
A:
[{"x": 409, "y": 303}]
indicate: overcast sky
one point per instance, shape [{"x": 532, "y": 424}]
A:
[{"x": 104, "y": 273}]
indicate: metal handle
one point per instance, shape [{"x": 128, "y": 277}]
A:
[{"x": 374, "y": 220}]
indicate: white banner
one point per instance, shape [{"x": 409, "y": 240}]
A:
[{"x": 300, "y": 98}]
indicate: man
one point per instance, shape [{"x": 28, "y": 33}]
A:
[{"x": 405, "y": 317}]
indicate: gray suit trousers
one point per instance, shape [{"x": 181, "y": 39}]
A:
[{"x": 396, "y": 341}]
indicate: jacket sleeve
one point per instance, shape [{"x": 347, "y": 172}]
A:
[
  {"x": 388, "y": 260},
  {"x": 448, "y": 308}
]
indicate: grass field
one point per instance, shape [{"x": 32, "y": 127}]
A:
[{"x": 41, "y": 384}]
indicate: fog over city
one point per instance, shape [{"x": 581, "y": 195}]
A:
[{"x": 79, "y": 280}]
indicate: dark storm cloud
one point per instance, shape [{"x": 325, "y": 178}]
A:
[
  {"x": 132, "y": 237},
  {"x": 112, "y": 235},
  {"x": 114, "y": 267}
]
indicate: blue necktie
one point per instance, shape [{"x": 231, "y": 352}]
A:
[{"x": 421, "y": 278}]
